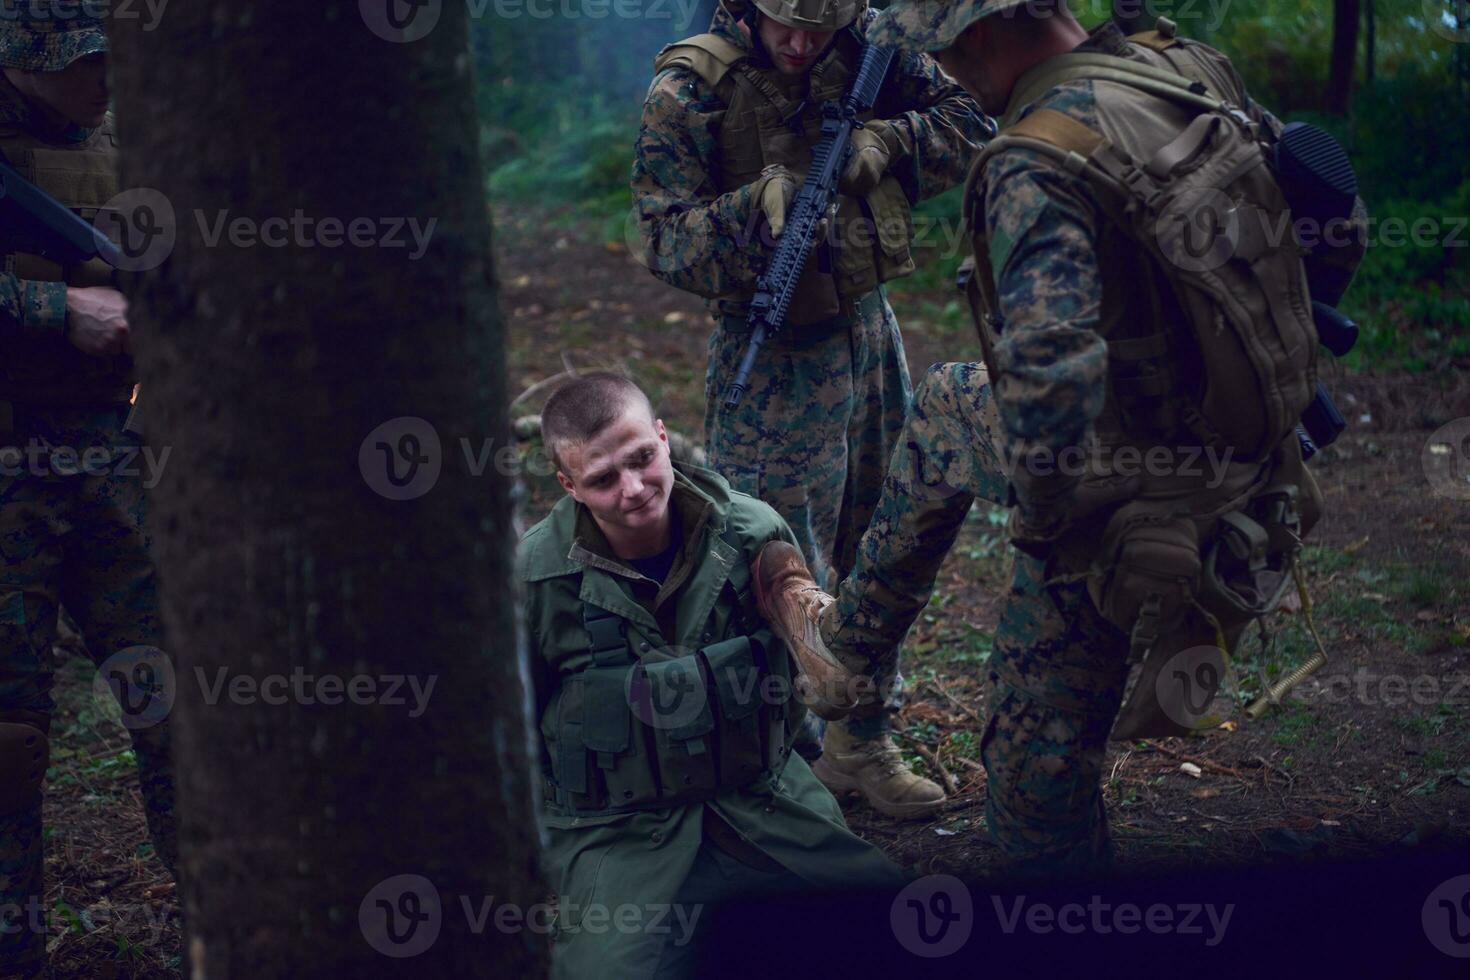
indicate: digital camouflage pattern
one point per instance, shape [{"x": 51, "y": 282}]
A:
[
  {"x": 707, "y": 242},
  {"x": 814, "y": 432},
  {"x": 945, "y": 458},
  {"x": 48, "y": 35},
  {"x": 76, "y": 539},
  {"x": 931, "y": 25},
  {"x": 66, "y": 537},
  {"x": 1058, "y": 672},
  {"x": 1058, "y": 667}
]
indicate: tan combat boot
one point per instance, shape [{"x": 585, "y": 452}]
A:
[
  {"x": 788, "y": 598},
  {"x": 875, "y": 768}
]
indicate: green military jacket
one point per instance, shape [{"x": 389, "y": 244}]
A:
[{"x": 642, "y": 857}]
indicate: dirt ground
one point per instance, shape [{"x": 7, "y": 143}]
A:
[
  {"x": 1374, "y": 755},
  {"x": 1372, "y": 758}
]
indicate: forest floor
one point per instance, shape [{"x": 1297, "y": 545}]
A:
[{"x": 1373, "y": 757}]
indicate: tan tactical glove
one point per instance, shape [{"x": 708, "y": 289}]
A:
[
  {"x": 873, "y": 149},
  {"x": 772, "y": 192}
]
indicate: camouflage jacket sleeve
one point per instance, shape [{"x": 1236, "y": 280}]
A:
[
  {"x": 30, "y": 308},
  {"x": 939, "y": 127},
  {"x": 1041, "y": 227},
  {"x": 692, "y": 237}
]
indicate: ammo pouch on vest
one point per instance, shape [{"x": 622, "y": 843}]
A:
[
  {"x": 655, "y": 734},
  {"x": 1184, "y": 587},
  {"x": 764, "y": 125}
]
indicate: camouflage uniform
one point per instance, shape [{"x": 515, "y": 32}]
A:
[
  {"x": 71, "y": 529},
  {"x": 813, "y": 434},
  {"x": 1059, "y": 669}
]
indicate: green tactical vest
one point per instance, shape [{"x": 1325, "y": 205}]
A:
[
  {"x": 768, "y": 121},
  {"x": 642, "y": 725},
  {"x": 82, "y": 176}
]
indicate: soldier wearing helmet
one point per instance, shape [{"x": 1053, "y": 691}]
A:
[
  {"x": 728, "y": 130},
  {"x": 69, "y": 533},
  {"x": 1086, "y": 343}
]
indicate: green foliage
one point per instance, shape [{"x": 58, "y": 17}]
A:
[{"x": 587, "y": 166}]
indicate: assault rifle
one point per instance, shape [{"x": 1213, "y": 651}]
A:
[
  {"x": 776, "y": 286},
  {"x": 31, "y": 220}
]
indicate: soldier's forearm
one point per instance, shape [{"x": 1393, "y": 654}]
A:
[
  {"x": 710, "y": 249},
  {"x": 31, "y": 308}
]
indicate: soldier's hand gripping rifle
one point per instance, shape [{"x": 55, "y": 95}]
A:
[{"x": 776, "y": 286}]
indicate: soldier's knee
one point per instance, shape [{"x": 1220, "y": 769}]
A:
[
  {"x": 937, "y": 380},
  {"x": 25, "y": 752}
]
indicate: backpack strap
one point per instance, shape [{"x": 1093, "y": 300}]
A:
[
  {"x": 1109, "y": 68},
  {"x": 707, "y": 55}
]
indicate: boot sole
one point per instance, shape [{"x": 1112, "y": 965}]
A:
[{"x": 840, "y": 782}]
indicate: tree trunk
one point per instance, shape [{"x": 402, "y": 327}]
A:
[
  {"x": 313, "y": 776},
  {"x": 1345, "y": 17}
]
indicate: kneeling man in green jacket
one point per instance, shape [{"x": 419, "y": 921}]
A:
[{"x": 667, "y": 708}]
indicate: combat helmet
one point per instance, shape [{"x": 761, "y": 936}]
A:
[
  {"x": 812, "y": 15},
  {"x": 48, "y": 35}
]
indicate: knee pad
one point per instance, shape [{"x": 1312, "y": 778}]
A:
[{"x": 25, "y": 752}]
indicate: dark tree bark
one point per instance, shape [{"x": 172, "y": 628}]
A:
[
  {"x": 264, "y": 369},
  {"x": 1345, "y": 17}
]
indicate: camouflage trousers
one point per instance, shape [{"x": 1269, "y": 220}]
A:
[
  {"x": 1058, "y": 668},
  {"x": 814, "y": 432},
  {"x": 78, "y": 539}
]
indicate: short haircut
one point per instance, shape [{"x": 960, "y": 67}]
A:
[{"x": 584, "y": 406}]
